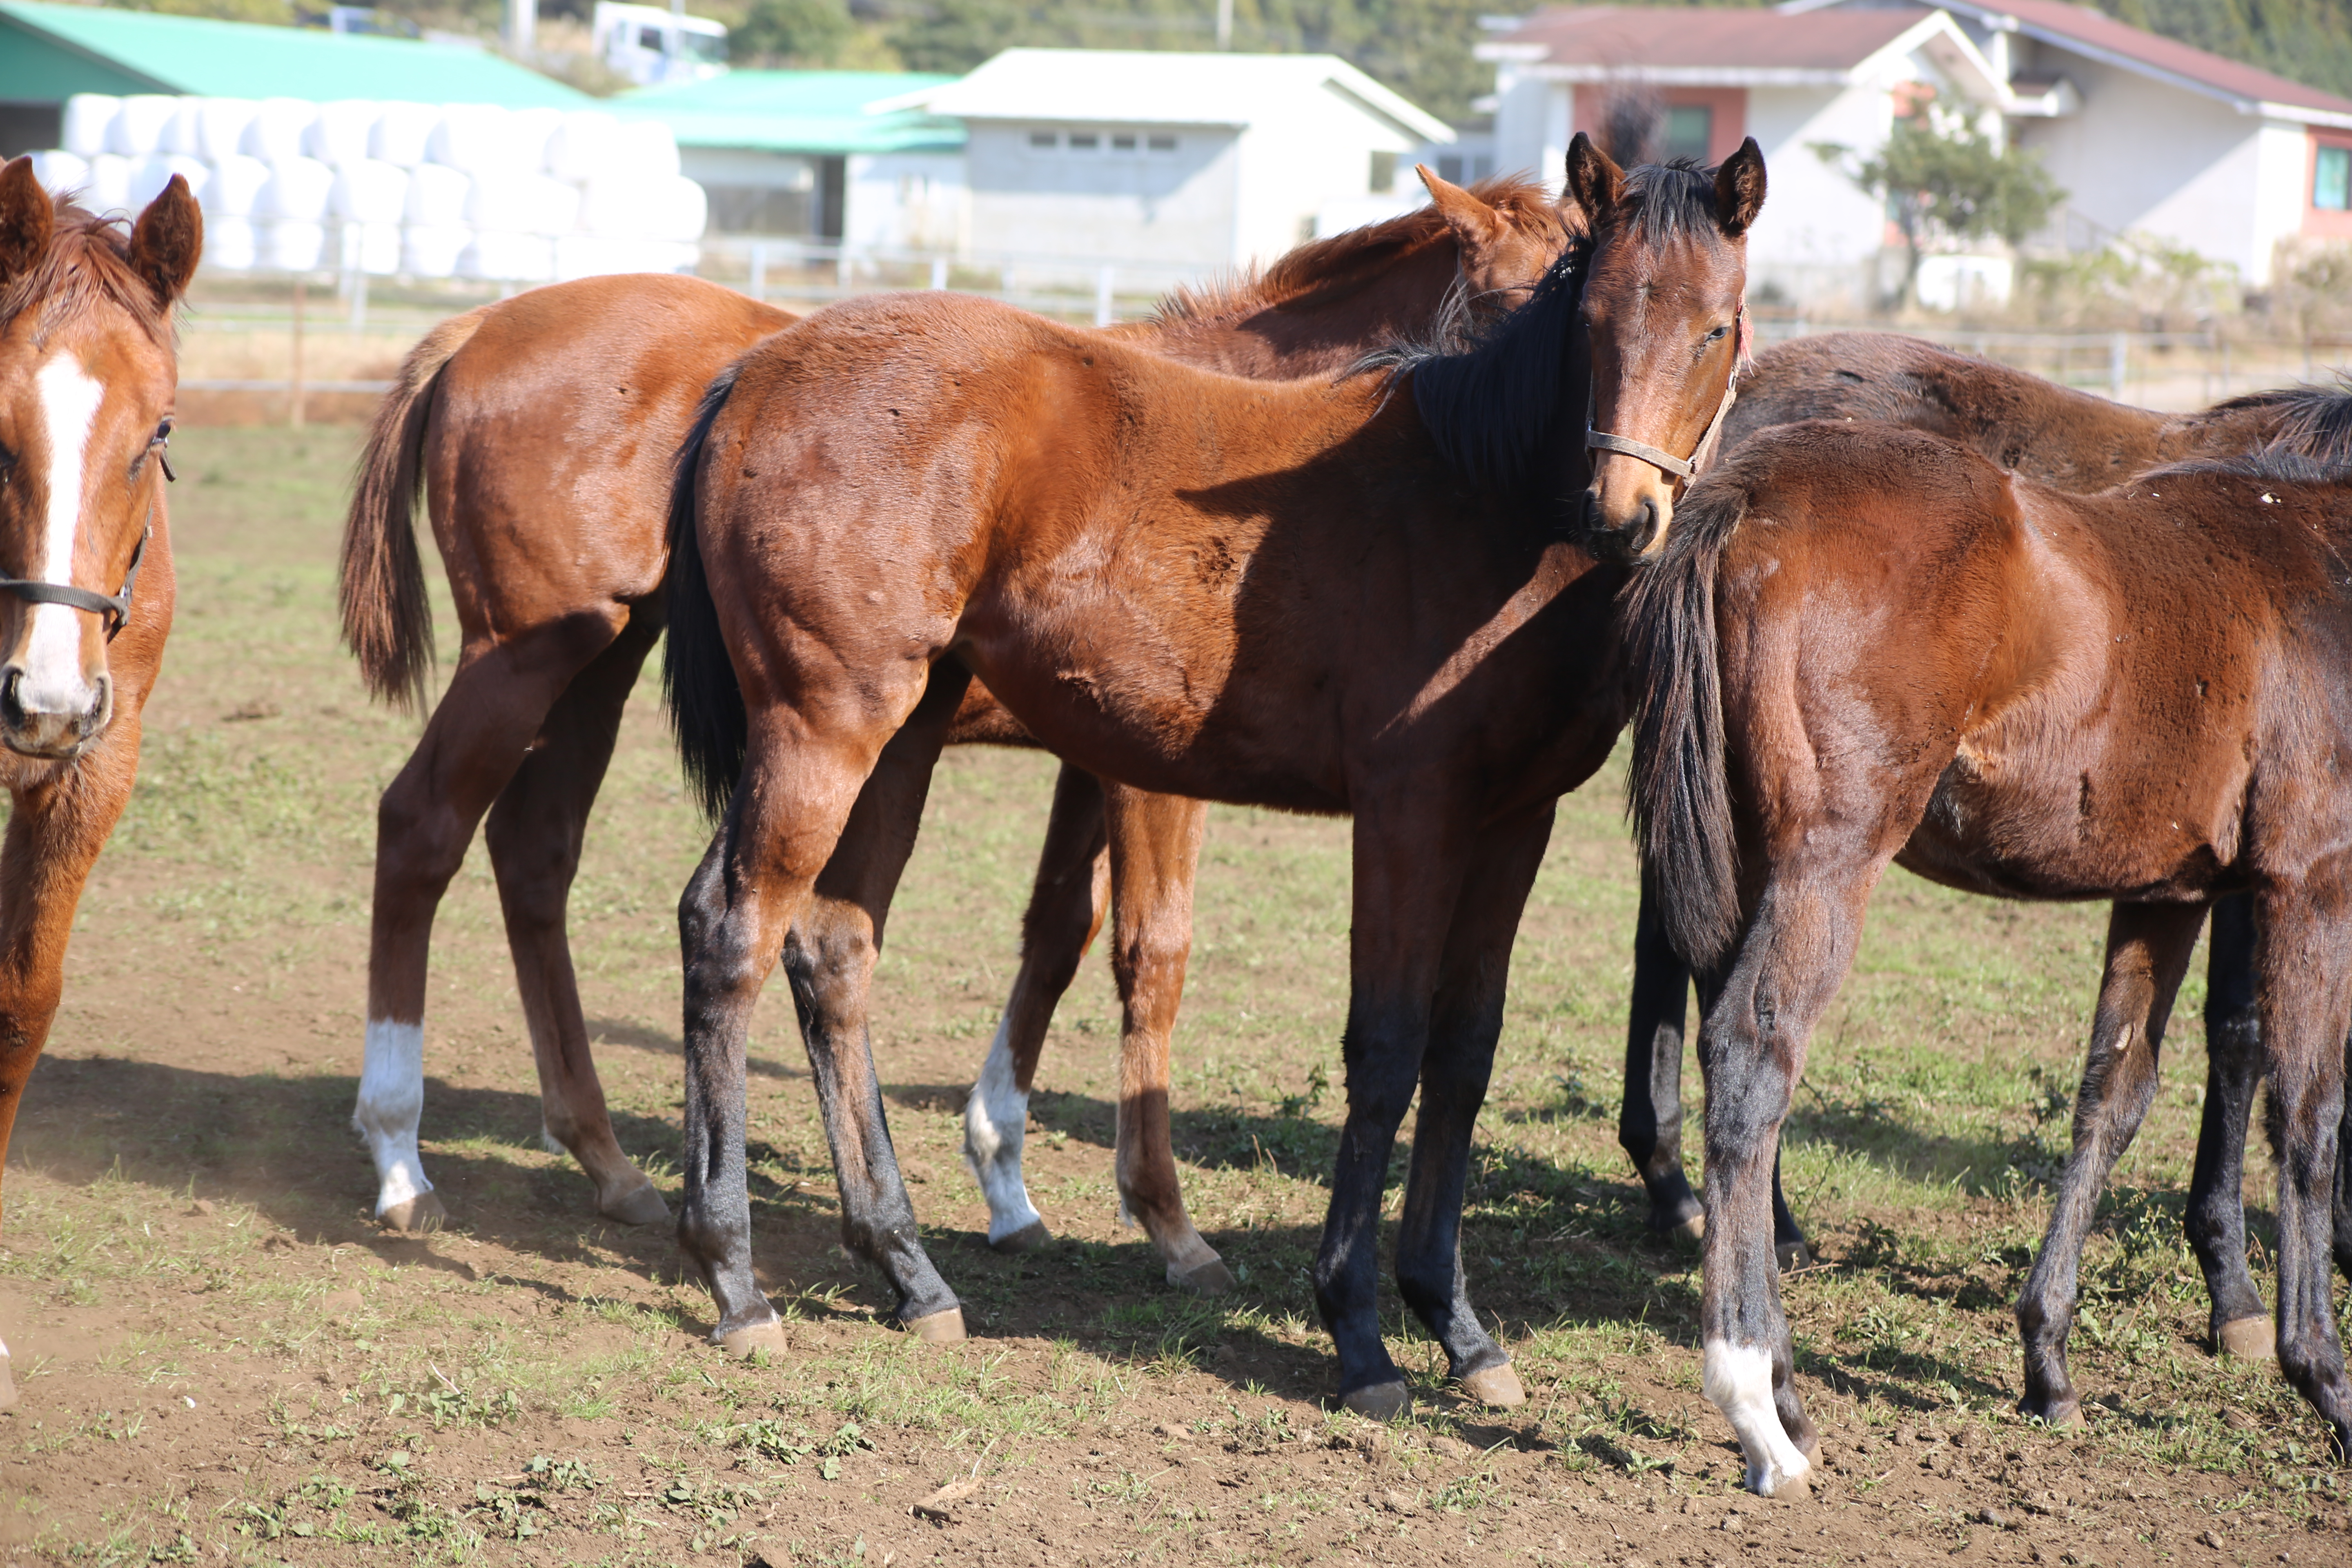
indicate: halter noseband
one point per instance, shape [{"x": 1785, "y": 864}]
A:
[
  {"x": 1658, "y": 456},
  {"x": 117, "y": 610}
]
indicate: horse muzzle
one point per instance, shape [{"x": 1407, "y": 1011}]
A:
[
  {"x": 1622, "y": 531},
  {"x": 52, "y": 720}
]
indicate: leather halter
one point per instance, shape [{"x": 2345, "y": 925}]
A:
[
  {"x": 117, "y": 610},
  {"x": 1658, "y": 456}
]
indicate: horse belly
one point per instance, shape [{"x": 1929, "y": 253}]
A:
[{"x": 2066, "y": 835}]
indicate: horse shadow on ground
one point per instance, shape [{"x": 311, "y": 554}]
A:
[{"x": 660, "y": 1043}]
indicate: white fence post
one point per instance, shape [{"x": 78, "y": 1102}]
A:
[
  {"x": 1102, "y": 297},
  {"x": 2118, "y": 361},
  {"x": 759, "y": 271},
  {"x": 939, "y": 272}
]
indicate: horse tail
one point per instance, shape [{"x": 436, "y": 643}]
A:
[
  {"x": 698, "y": 683},
  {"x": 1680, "y": 797},
  {"x": 387, "y": 618}
]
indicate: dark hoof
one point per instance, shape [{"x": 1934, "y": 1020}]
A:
[
  {"x": 1793, "y": 1255},
  {"x": 642, "y": 1205},
  {"x": 2248, "y": 1339},
  {"x": 2065, "y": 1411},
  {"x": 1497, "y": 1387},
  {"x": 1028, "y": 1238},
  {"x": 1210, "y": 1278},
  {"x": 1379, "y": 1401},
  {"x": 745, "y": 1343},
  {"x": 937, "y": 1328},
  {"x": 420, "y": 1216}
]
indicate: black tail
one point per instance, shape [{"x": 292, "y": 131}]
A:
[
  {"x": 1680, "y": 799},
  {"x": 698, "y": 684}
]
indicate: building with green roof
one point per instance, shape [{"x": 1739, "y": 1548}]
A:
[
  {"x": 795, "y": 154},
  {"x": 50, "y": 52}
]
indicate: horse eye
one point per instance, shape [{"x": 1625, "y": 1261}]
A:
[{"x": 1717, "y": 334}]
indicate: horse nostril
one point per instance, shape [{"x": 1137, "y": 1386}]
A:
[{"x": 12, "y": 703}]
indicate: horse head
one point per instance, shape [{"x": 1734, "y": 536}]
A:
[
  {"x": 87, "y": 376},
  {"x": 1666, "y": 327},
  {"x": 1505, "y": 246}
]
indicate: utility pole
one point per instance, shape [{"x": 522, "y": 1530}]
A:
[
  {"x": 523, "y": 26},
  {"x": 1224, "y": 23}
]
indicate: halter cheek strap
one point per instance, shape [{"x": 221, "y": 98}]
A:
[
  {"x": 1701, "y": 454},
  {"x": 117, "y": 610}
]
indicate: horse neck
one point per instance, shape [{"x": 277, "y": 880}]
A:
[
  {"x": 1323, "y": 330},
  {"x": 2216, "y": 433}
]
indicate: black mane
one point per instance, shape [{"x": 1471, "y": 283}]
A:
[{"x": 2314, "y": 422}]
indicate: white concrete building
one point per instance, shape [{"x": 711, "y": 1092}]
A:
[{"x": 1182, "y": 160}]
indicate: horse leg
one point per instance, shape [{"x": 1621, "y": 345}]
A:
[
  {"x": 1404, "y": 869},
  {"x": 2149, "y": 946},
  {"x": 534, "y": 834},
  {"x": 830, "y": 956},
  {"x": 2304, "y": 972},
  {"x": 1155, "y": 849},
  {"x": 1065, "y": 908},
  {"x": 2233, "y": 1070},
  {"x": 1650, "y": 1123},
  {"x": 1466, "y": 1020},
  {"x": 1788, "y": 966},
  {"x": 61, "y": 815},
  {"x": 471, "y": 747}
]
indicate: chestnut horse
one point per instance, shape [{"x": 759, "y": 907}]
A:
[
  {"x": 2135, "y": 696},
  {"x": 542, "y": 430},
  {"x": 2073, "y": 441},
  {"x": 1348, "y": 598},
  {"x": 88, "y": 371}
]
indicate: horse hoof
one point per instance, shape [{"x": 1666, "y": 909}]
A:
[
  {"x": 937, "y": 1328},
  {"x": 2066, "y": 1412},
  {"x": 1379, "y": 1401},
  {"x": 641, "y": 1206},
  {"x": 1498, "y": 1388},
  {"x": 2250, "y": 1339},
  {"x": 1028, "y": 1238},
  {"x": 418, "y": 1216},
  {"x": 1794, "y": 1487},
  {"x": 8, "y": 1385},
  {"x": 743, "y": 1344},
  {"x": 1210, "y": 1278},
  {"x": 1793, "y": 1255}
]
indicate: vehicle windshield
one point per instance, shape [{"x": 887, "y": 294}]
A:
[{"x": 703, "y": 48}]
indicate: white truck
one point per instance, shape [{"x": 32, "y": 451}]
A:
[{"x": 649, "y": 44}]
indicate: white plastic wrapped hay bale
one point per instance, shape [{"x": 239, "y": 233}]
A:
[
  {"x": 137, "y": 129},
  {"x": 297, "y": 191},
  {"x": 647, "y": 147},
  {"x": 532, "y": 130},
  {"x": 436, "y": 196},
  {"x": 636, "y": 206},
  {"x": 432, "y": 251},
  {"x": 107, "y": 188},
  {"x": 230, "y": 243},
  {"x": 293, "y": 245},
  {"x": 582, "y": 146},
  {"x": 600, "y": 256},
  {"x": 402, "y": 132},
  {"x": 236, "y": 186},
  {"x": 501, "y": 257},
  {"x": 343, "y": 132},
  {"x": 522, "y": 204},
  {"x": 61, "y": 171},
  {"x": 210, "y": 128},
  {"x": 83, "y": 125},
  {"x": 278, "y": 129},
  {"x": 370, "y": 190},
  {"x": 150, "y": 175},
  {"x": 481, "y": 139},
  {"x": 371, "y": 247}
]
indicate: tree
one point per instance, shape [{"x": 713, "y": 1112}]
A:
[
  {"x": 1949, "y": 179},
  {"x": 791, "y": 32}
]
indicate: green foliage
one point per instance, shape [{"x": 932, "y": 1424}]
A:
[
  {"x": 790, "y": 33},
  {"x": 1951, "y": 180}
]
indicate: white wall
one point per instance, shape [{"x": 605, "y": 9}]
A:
[
  {"x": 1176, "y": 206},
  {"x": 906, "y": 201},
  {"x": 1814, "y": 215},
  {"x": 1303, "y": 153},
  {"x": 1531, "y": 125}
]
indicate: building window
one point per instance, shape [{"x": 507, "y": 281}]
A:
[
  {"x": 1162, "y": 143},
  {"x": 1383, "y": 177},
  {"x": 1690, "y": 128},
  {"x": 1044, "y": 139},
  {"x": 1122, "y": 143},
  {"x": 1084, "y": 142},
  {"x": 2331, "y": 179}
]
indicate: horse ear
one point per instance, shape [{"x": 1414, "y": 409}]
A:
[
  {"x": 1474, "y": 223},
  {"x": 1593, "y": 177},
  {"x": 166, "y": 241},
  {"x": 27, "y": 219},
  {"x": 1739, "y": 189}
]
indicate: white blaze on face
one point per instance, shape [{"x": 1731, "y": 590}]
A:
[
  {"x": 53, "y": 681},
  {"x": 1739, "y": 1379},
  {"x": 994, "y": 1119},
  {"x": 391, "y": 1100}
]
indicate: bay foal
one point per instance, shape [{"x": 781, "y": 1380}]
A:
[
  {"x": 541, "y": 431},
  {"x": 88, "y": 373},
  {"x": 1352, "y": 598},
  {"x": 1864, "y": 644}
]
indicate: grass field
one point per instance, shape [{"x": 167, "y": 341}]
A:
[{"x": 223, "y": 1360}]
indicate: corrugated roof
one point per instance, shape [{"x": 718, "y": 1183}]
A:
[
  {"x": 237, "y": 59},
  {"x": 796, "y": 112},
  {"x": 2062, "y": 23},
  {"x": 1160, "y": 88},
  {"x": 1683, "y": 38}
]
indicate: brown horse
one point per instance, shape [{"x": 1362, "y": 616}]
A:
[
  {"x": 1349, "y": 598},
  {"x": 2135, "y": 696},
  {"x": 88, "y": 371},
  {"x": 2073, "y": 441},
  {"x": 542, "y": 430}
]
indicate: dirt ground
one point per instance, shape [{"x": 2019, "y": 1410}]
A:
[{"x": 222, "y": 1359}]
